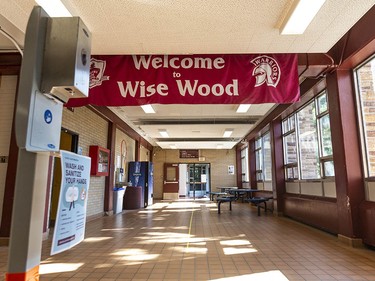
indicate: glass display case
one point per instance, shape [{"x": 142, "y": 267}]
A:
[{"x": 99, "y": 160}]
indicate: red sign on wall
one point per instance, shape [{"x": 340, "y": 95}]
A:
[{"x": 195, "y": 79}]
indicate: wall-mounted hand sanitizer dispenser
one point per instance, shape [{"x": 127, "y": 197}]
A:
[
  {"x": 66, "y": 65},
  {"x": 45, "y": 125},
  {"x": 55, "y": 67}
]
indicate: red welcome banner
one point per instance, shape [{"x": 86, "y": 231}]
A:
[{"x": 125, "y": 80}]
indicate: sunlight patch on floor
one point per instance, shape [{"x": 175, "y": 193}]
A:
[
  {"x": 191, "y": 249},
  {"x": 58, "y": 267},
  {"x": 135, "y": 255},
  {"x": 238, "y": 246},
  {"x": 176, "y": 210},
  {"x": 238, "y": 251},
  {"x": 148, "y": 212},
  {"x": 235, "y": 242},
  {"x": 169, "y": 237},
  {"x": 184, "y": 205},
  {"x": 274, "y": 275},
  {"x": 153, "y": 228},
  {"x": 96, "y": 239},
  {"x": 157, "y": 206},
  {"x": 117, "y": 229},
  {"x": 103, "y": 265}
]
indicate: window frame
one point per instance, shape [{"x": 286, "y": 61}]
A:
[
  {"x": 361, "y": 121},
  {"x": 259, "y": 157},
  {"x": 320, "y": 115},
  {"x": 287, "y": 130},
  {"x": 293, "y": 165},
  {"x": 245, "y": 177}
]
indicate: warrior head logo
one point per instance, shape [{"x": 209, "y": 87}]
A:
[
  {"x": 266, "y": 71},
  {"x": 97, "y": 69}
]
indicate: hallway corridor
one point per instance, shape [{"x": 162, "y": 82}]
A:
[{"x": 188, "y": 240}]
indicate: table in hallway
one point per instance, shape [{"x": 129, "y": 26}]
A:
[
  {"x": 227, "y": 188},
  {"x": 240, "y": 192}
]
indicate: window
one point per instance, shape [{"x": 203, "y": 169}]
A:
[
  {"x": 245, "y": 164},
  {"x": 365, "y": 77},
  {"x": 263, "y": 158},
  {"x": 267, "y": 158},
  {"x": 290, "y": 148},
  {"x": 307, "y": 142},
  {"x": 258, "y": 159},
  {"x": 325, "y": 140}
]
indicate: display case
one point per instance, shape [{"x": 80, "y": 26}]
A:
[{"x": 99, "y": 160}]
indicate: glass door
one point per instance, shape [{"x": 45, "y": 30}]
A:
[{"x": 199, "y": 180}]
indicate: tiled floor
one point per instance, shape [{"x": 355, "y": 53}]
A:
[{"x": 190, "y": 241}]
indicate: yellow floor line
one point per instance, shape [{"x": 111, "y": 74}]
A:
[{"x": 191, "y": 222}]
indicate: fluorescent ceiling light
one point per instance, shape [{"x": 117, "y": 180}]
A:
[
  {"x": 54, "y": 8},
  {"x": 228, "y": 133},
  {"x": 173, "y": 146},
  {"x": 219, "y": 146},
  {"x": 147, "y": 108},
  {"x": 300, "y": 16},
  {"x": 243, "y": 108},
  {"x": 163, "y": 133}
]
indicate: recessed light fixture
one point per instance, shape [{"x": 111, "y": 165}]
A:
[
  {"x": 228, "y": 133},
  {"x": 54, "y": 8},
  {"x": 300, "y": 16},
  {"x": 147, "y": 108},
  {"x": 243, "y": 108},
  {"x": 163, "y": 133}
]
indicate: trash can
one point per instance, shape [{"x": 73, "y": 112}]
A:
[
  {"x": 133, "y": 198},
  {"x": 118, "y": 197}
]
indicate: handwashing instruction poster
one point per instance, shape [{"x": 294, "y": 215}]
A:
[{"x": 71, "y": 213}]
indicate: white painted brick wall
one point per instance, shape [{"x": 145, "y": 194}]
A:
[{"x": 92, "y": 130}]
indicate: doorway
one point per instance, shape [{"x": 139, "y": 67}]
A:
[
  {"x": 198, "y": 185},
  {"x": 68, "y": 142}
]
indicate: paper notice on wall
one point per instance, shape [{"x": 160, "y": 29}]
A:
[{"x": 71, "y": 213}]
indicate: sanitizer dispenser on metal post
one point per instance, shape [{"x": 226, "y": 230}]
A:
[{"x": 54, "y": 69}]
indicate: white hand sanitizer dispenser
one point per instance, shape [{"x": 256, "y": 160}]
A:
[{"x": 55, "y": 67}]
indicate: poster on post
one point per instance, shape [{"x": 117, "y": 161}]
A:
[{"x": 71, "y": 213}]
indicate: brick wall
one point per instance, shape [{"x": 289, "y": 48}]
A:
[
  {"x": 8, "y": 86},
  {"x": 92, "y": 130},
  {"x": 218, "y": 159}
]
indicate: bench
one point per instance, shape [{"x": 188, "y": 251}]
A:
[
  {"x": 257, "y": 201},
  {"x": 224, "y": 199},
  {"x": 213, "y": 193}
]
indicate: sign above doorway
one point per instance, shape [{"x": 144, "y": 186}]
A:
[{"x": 189, "y": 153}]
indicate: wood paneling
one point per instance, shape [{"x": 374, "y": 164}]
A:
[
  {"x": 367, "y": 216},
  {"x": 322, "y": 214}
]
